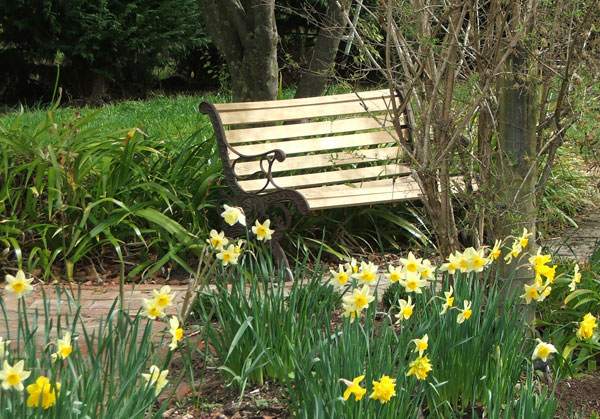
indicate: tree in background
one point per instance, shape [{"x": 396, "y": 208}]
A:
[
  {"x": 490, "y": 85},
  {"x": 103, "y": 42},
  {"x": 246, "y": 35}
]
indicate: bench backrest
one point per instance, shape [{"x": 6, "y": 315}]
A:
[{"x": 328, "y": 140}]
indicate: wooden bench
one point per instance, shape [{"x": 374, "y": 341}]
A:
[{"x": 295, "y": 156}]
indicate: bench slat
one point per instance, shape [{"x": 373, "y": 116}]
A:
[
  {"x": 318, "y": 144},
  {"x": 350, "y": 175},
  {"x": 363, "y": 194},
  {"x": 304, "y": 112},
  {"x": 322, "y": 160},
  {"x": 345, "y": 97},
  {"x": 278, "y": 132}
]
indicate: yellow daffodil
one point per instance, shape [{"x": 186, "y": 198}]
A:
[
  {"x": 453, "y": 264},
  {"x": 64, "y": 347},
  {"x": 539, "y": 258},
  {"x": 237, "y": 249},
  {"x": 12, "y": 376},
  {"x": 473, "y": 259},
  {"x": 163, "y": 298},
  {"x": 448, "y": 300},
  {"x": 217, "y": 240},
  {"x": 349, "y": 311},
  {"x": 532, "y": 292},
  {"x": 359, "y": 300},
  {"x": 394, "y": 273},
  {"x": 233, "y": 215},
  {"x": 352, "y": 266},
  {"x": 586, "y": 327},
  {"x": 426, "y": 270},
  {"x": 421, "y": 344},
  {"x": 19, "y": 285},
  {"x": 419, "y": 367},
  {"x": 515, "y": 251},
  {"x": 354, "y": 388},
  {"x": 228, "y": 256},
  {"x": 262, "y": 231},
  {"x": 157, "y": 378},
  {"x": 384, "y": 389},
  {"x": 465, "y": 313},
  {"x": 412, "y": 282},
  {"x": 42, "y": 391},
  {"x": 405, "y": 309},
  {"x": 496, "y": 250},
  {"x": 523, "y": 240},
  {"x": 175, "y": 331},
  {"x": 411, "y": 263},
  {"x": 543, "y": 350},
  {"x": 366, "y": 273},
  {"x": 339, "y": 278},
  {"x": 576, "y": 279},
  {"x": 151, "y": 309}
]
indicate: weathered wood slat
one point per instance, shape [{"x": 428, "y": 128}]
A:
[
  {"x": 350, "y": 175},
  {"x": 363, "y": 194},
  {"x": 345, "y": 97},
  {"x": 305, "y": 112},
  {"x": 323, "y": 160},
  {"x": 318, "y": 144},
  {"x": 278, "y": 132}
]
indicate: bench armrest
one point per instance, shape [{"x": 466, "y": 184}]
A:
[{"x": 265, "y": 160}]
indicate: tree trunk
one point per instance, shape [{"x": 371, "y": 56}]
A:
[
  {"x": 321, "y": 64},
  {"x": 246, "y": 35},
  {"x": 517, "y": 139}
]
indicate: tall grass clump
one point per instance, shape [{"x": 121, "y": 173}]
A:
[{"x": 72, "y": 190}]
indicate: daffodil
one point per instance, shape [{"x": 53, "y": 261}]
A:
[
  {"x": 496, "y": 250},
  {"x": 474, "y": 260},
  {"x": 411, "y": 263},
  {"x": 586, "y": 327},
  {"x": 151, "y": 309},
  {"x": 515, "y": 251},
  {"x": 175, "y": 331},
  {"x": 421, "y": 344},
  {"x": 412, "y": 282},
  {"x": 353, "y": 387},
  {"x": 366, "y": 273},
  {"x": 394, "y": 273},
  {"x": 359, "y": 300},
  {"x": 228, "y": 256},
  {"x": 19, "y": 285},
  {"x": 352, "y": 266},
  {"x": 339, "y": 278},
  {"x": 539, "y": 258},
  {"x": 532, "y": 292},
  {"x": 426, "y": 270},
  {"x": 465, "y": 313},
  {"x": 42, "y": 391},
  {"x": 217, "y": 240},
  {"x": 384, "y": 389},
  {"x": 523, "y": 239},
  {"x": 543, "y": 350},
  {"x": 233, "y": 215},
  {"x": 262, "y": 231},
  {"x": 419, "y": 367},
  {"x": 163, "y": 297},
  {"x": 405, "y": 309},
  {"x": 64, "y": 347},
  {"x": 349, "y": 311},
  {"x": 448, "y": 300},
  {"x": 157, "y": 378},
  {"x": 12, "y": 376},
  {"x": 576, "y": 279},
  {"x": 453, "y": 264}
]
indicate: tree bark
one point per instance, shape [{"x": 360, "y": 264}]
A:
[
  {"x": 245, "y": 33},
  {"x": 321, "y": 64}
]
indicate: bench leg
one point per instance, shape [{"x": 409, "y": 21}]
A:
[{"x": 281, "y": 258}]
